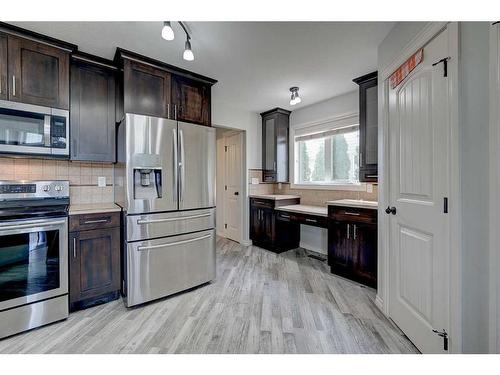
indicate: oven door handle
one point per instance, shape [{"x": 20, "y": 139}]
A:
[{"x": 32, "y": 224}]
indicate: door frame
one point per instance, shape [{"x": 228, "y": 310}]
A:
[
  {"x": 244, "y": 213},
  {"x": 382, "y": 298},
  {"x": 494, "y": 236}
]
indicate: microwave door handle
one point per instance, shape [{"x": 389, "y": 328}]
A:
[{"x": 46, "y": 131}]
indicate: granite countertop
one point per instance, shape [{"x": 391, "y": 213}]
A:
[
  {"x": 305, "y": 209},
  {"x": 354, "y": 203},
  {"x": 93, "y": 208},
  {"x": 274, "y": 197}
]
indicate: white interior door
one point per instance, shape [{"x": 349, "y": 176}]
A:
[
  {"x": 419, "y": 133},
  {"x": 233, "y": 188}
]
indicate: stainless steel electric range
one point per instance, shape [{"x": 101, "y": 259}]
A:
[{"x": 33, "y": 254}]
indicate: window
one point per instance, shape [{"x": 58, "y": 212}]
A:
[{"x": 329, "y": 157}]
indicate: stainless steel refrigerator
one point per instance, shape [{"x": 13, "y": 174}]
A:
[{"x": 165, "y": 183}]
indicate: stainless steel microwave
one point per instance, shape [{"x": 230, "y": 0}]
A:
[{"x": 32, "y": 129}]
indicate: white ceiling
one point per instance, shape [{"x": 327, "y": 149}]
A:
[{"x": 255, "y": 62}]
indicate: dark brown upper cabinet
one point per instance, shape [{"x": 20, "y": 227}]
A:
[
  {"x": 3, "y": 67},
  {"x": 38, "y": 73},
  {"x": 147, "y": 90},
  {"x": 275, "y": 130},
  {"x": 92, "y": 114},
  {"x": 368, "y": 127},
  {"x": 154, "y": 88},
  {"x": 191, "y": 100}
]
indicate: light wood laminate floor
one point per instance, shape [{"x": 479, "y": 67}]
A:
[{"x": 261, "y": 302}]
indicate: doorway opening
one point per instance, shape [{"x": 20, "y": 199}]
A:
[{"x": 231, "y": 184}]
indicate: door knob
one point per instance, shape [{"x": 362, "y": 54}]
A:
[{"x": 390, "y": 210}]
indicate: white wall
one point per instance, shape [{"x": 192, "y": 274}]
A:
[
  {"x": 474, "y": 152},
  {"x": 227, "y": 117},
  {"x": 313, "y": 238}
]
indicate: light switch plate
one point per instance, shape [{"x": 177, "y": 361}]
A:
[
  {"x": 101, "y": 181},
  {"x": 369, "y": 188}
]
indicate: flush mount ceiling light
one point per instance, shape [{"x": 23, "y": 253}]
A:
[
  {"x": 295, "y": 98},
  {"x": 167, "y": 33}
]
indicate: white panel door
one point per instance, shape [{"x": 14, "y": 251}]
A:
[
  {"x": 419, "y": 132},
  {"x": 233, "y": 188}
]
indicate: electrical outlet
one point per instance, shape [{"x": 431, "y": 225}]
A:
[
  {"x": 101, "y": 181},
  {"x": 369, "y": 188}
]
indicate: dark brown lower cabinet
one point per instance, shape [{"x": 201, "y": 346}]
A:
[
  {"x": 352, "y": 244},
  {"x": 268, "y": 230},
  {"x": 94, "y": 265}
]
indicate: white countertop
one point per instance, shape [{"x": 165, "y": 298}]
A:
[
  {"x": 274, "y": 197},
  {"x": 354, "y": 203},
  {"x": 93, "y": 208},
  {"x": 305, "y": 209}
]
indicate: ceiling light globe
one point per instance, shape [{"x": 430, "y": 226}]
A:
[
  {"x": 167, "y": 32},
  {"x": 188, "y": 54}
]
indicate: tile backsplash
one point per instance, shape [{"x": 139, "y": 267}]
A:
[{"x": 82, "y": 176}]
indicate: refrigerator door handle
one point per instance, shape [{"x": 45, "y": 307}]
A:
[
  {"x": 175, "y": 182},
  {"x": 182, "y": 167},
  {"x": 152, "y": 247},
  {"x": 152, "y": 221}
]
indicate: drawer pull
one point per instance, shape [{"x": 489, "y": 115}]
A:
[
  {"x": 152, "y": 221},
  {"x": 74, "y": 247},
  {"x": 96, "y": 221},
  {"x": 152, "y": 247},
  {"x": 285, "y": 216},
  {"x": 352, "y": 213},
  {"x": 311, "y": 220},
  {"x": 371, "y": 175}
]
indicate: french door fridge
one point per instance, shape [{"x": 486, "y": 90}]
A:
[{"x": 169, "y": 206}]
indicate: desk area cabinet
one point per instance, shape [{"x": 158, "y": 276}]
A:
[
  {"x": 352, "y": 243},
  {"x": 352, "y": 231}
]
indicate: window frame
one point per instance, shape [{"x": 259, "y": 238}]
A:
[{"x": 341, "y": 121}]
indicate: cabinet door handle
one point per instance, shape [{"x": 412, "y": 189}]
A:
[
  {"x": 354, "y": 231},
  {"x": 175, "y": 111},
  {"x": 311, "y": 220},
  {"x": 285, "y": 216},
  {"x": 168, "y": 110},
  {"x": 96, "y": 221},
  {"x": 360, "y": 159},
  {"x": 13, "y": 85},
  {"x": 352, "y": 213},
  {"x": 74, "y": 247},
  {"x": 0, "y": 84},
  {"x": 348, "y": 230}
]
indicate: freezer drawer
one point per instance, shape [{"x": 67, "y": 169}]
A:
[
  {"x": 165, "y": 266},
  {"x": 142, "y": 227}
]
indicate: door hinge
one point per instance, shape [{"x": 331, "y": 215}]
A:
[
  {"x": 225, "y": 187},
  {"x": 225, "y": 226},
  {"x": 225, "y": 148},
  {"x": 445, "y": 205},
  {"x": 445, "y": 65},
  {"x": 444, "y": 335}
]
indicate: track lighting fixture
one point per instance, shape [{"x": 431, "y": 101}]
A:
[
  {"x": 168, "y": 33},
  {"x": 295, "y": 98}
]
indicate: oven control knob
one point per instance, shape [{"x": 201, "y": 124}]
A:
[
  {"x": 46, "y": 188},
  {"x": 58, "y": 188}
]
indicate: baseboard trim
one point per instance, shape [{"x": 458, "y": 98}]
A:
[{"x": 379, "y": 302}]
